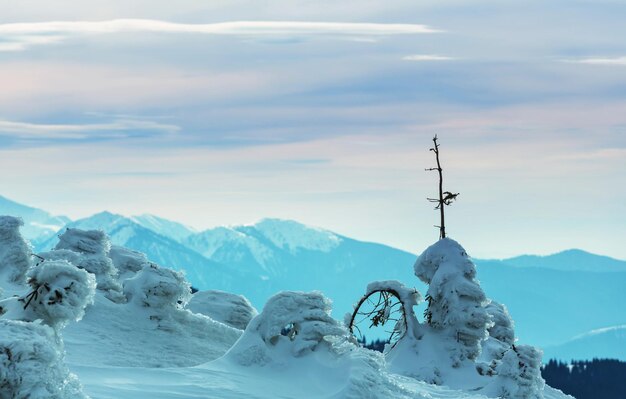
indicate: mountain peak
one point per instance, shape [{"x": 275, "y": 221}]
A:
[{"x": 292, "y": 235}]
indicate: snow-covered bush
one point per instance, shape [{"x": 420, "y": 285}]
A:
[
  {"x": 519, "y": 374},
  {"x": 291, "y": 323},
  {"x": 456, "y": 301},
  {"x": 32, "y": 364},
  {"x": 94, "y": 246},
  {"x": 15, "y": 253},
  {"x": 230, "y": 309},
  {"x": 60, "y": 292},
  {"x": 158, "y": 287},
  {"x": 127, "y": 261}
]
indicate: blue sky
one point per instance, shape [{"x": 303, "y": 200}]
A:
[{"x": 224, "y": 112}]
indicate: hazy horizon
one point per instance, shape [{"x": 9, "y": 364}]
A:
[{"x": 213, "y": 113}]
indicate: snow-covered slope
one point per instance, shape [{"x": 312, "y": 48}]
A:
[
  {"x": 39, "y": 225},
  {"x": 602, "y": 343}
]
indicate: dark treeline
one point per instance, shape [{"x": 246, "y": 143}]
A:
[
  {"x": 375, "y": 345},
  {"x": 583, "y": 379}
]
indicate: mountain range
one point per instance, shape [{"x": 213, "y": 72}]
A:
[{"x": 555, "y": 300}]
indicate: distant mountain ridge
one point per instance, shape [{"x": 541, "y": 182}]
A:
[
  {"x": 37, "y": 223},
  {"x": 571, "y": 259},
  {"x": 603, "y": 343},
  {"x": 551, "y": 301}
]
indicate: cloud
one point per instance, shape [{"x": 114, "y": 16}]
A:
[
  {"x": 600, "y": 61},
  {"x": 427, "y": 57},
  {"x": 113, "y": 129},
  {"x": 22, "y": 35}
]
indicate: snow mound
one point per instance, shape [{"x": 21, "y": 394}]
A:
[
  {"x": 295, "y": 342},
  {"x": 32, "y": 364},
  {"x": 230, "y": 309},
  {"x": 94, "y": 246},
  {"x": 15, "y": 253}
]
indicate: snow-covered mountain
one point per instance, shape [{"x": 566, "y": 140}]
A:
[
  {"x": 38, "y": 224},
  {"x": 602, "y": 343},
  {"x": 165, "y": 227},
  {"x": 284, "y": 254}
]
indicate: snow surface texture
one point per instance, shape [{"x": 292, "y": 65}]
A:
[
  {"x": 456, "y": 301},
  {"x": 15, "y": 253},
  {"x": 230, "y": 309},
  {"x": 94, "y": 246},
  {"x": 32, "y": 364}
]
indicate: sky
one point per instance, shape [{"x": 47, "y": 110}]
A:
[{"x": 226, "y": 112}]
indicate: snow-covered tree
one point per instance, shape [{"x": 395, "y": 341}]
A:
[
  {"x": 94, "y": 246},
  {"x": 158, "y": 287},
  {"x": 230, "y": 309},
  {"x": 291, "y": 323},
  {"x": 456, "y": 301},
  {"x": 32, "y": 365},
  {"x": 60, "y": 292},
  {"x": 32, "y": 361},
  {"x": 519, "y": 374},
  {"x": 15, "y": 252}
]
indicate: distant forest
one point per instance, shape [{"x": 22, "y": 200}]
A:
[{"x": 583, "y": 379}]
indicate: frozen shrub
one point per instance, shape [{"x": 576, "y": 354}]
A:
[
  {"x": 127, "y": 261},
  {"x": 60, "y": 293},
  {"x": 158, "y": 287},
  {"x": 230, "y": 309},
  {"x": 32, "y": 364},
  {"x": 15, "y": 253},
  {"x": 94, "y": 246},
  {"x": 302, "y": 318},
  {"x": 456, "y": 301},
  {"x": 519, "y": 374},
  {"x": 292, "y": 324}
]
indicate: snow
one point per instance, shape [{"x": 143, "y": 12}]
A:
[
  {"x": 14, "y": 251},
  {"x": 143, "y": 342},
  {"x": 287, "y": 234},
  {"x": 59, "y": 294},
  {"x": 230, "y": 309},
  {"x": 94, "y": 247},
  {"x": 32, "y": 364}
]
